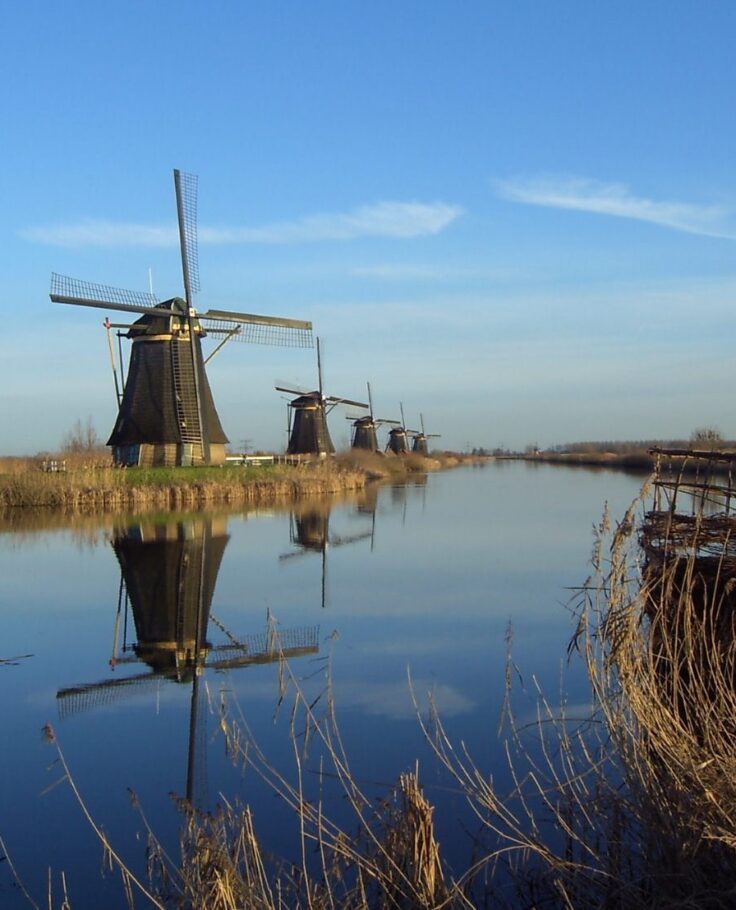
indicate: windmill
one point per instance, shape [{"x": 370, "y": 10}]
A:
[
  {"x": 309, "y": 434},
  {"x": 364, "y": 428},
  {"x": 309, "y": 531},
  {"x": 398, "y": 436},
  {"x": 166, "y": 411},
  {"x": 168, "y": 575},
  {"x": 419, "y": 444}
]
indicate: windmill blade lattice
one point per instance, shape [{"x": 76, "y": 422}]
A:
[
  {"x": 335, "y": 400},
  {"x": 290, "y": 333},
  {"x": 88, "y": 293},
  {"x": 256, "y": 648},
  {"x": 294, "y": 390},
  {"x": 186, "y": 203},
  {"x": 73, "y": 699}
]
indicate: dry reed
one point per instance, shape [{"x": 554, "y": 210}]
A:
[{"x": 112, "y": 490}]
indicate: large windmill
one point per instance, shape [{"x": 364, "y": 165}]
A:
[
  {"x": 168, "y": 575},
  {"x": 166, "y": 411},
  {"x": 419, "y": 445},
  {"x": 398, "y": 437},
  {"x": 309, "y": 434},
  {"x": 364, "y": 428}
]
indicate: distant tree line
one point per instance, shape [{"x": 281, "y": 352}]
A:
[
  {"x": 706, "y": 437},
  {"x": 700, "y": 438}
]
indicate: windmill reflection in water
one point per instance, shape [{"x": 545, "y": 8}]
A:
[
  {"x": 167, "y": 580},
  {"x": 309, "y": 530}
]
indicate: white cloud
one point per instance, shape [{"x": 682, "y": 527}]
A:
[
  {"x": 585, "y": 195},
  {"x": 398, "y": 220},
  {"x": 384, "y": 219},
  {"x": 92, "y": 233},
  {"x": 393, "y": 700}
]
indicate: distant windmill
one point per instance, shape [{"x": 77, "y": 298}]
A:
[
  {"x": 309, "y": 434},
  {"x": 166, "y": 411},
  {"x": 168, "y": 575},
  {"x": 398, "y": 441},
  {"x": 420, "y": 439},
  {"x": 364, "y": 428}
]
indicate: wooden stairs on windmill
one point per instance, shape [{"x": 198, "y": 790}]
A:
[{"x": 185, "y": 392}]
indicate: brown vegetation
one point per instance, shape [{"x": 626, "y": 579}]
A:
[
  {"x": 378, "y": 465},
  {"x": 86, "y": 486},
  {"x": 105, "y": 489}
]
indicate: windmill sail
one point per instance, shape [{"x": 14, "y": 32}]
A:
[
  {"x": 185, "y": 186},
  {"x": 102, "y": 296}
]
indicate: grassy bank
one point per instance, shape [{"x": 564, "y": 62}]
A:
[{"x": 88, "y": 487}]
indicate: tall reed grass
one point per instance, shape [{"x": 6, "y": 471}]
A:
[
  {"x": 91, "y": 487},
  {"x": 110, "y": 489}
]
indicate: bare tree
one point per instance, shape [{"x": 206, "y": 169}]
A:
[
  {"x": 81, "y": 438},
  {"x": 706, "y": 438}
]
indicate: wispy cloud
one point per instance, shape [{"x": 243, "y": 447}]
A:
[
  {"x": 384, "y": 219},
  {"x": 616, "y": 199},
  {"x": 394, "y": 700},
  {"x": 398, "y": 220},
  {"x": 92, "y": 233}
]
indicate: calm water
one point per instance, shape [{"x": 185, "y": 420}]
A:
[{"x": 423, "y": 578}]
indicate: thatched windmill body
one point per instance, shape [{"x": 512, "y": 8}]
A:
[
  {"x": 308, "y": 431},
  {"x": 364, "y": 428},
  {"x": 166, "y": 410},
  {"x": 419, "y": 443}
]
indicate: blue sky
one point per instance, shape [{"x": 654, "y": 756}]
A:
[{"x": 518, "y": 218}]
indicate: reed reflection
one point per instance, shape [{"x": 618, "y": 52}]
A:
[{"x": 168, "y": 573}]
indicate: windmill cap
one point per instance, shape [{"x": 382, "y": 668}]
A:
[{"x": 309, "y": 398}]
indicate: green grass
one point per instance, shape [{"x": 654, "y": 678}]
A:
[{"x": 177, "y": 477}]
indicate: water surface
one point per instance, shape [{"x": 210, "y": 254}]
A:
[{"x": 423, "y": 579}]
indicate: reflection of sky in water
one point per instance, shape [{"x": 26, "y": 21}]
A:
[{"x": 450, "y": 566}]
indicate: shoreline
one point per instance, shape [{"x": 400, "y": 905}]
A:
[
  {"x": 90, "y": 490},
  {"x": 636, "y": 462}
]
